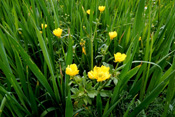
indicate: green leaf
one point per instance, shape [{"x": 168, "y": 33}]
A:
[
  {"x": 105, "y": 93},
  {"x": 92, "y": 93},
  {"x": 3, "y": 102},
  {"x": 106, "y": 114},
  {"x": 30, "y": 63},
  {"x": 87, "y": 100},
  {"x": 48, "y": 61},
  {"x": 115, "y": 80},
  {"x": 74, "y": 90},
  {"x": 131, "y": 103},
  {"x": 44, "y": 113},
  {"x": 169, "y": 96},
  {"x": 99, "y": 105},
  {"x": 89, "y": 86},
  {"x": 69, "y": 59},
  {"x": 69, "y": 107},
  {"x": 152, "y": 95},
  {"x": 128, "y": 76},
  {"x": 119, "y": 87},
  {"x": 106, "y": 107}
]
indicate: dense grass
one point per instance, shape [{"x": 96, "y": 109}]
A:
[{"x": 32, "y": 64}]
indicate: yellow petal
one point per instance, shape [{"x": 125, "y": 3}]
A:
[
  {"x": 88, "y": 11},
  {"x": 101, "y": 8},
  {"x": 57, "y": 32},
  {"x": 119, "y": 57},
  {"x": 72, "y": 70},
  {"x": 112, "y": 35}
]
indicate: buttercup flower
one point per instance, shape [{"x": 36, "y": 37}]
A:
[
  {"x": 83, "y": 50},
  {"x": 57, "y": 32},
  {"x": 72, "y": 70},
  {"x": 88, "y": 11},
  {"x": 42, "y": 25},
  {"x": 82, "y": 42},
  {"x": 20, "y": 32},
  {"x": 90, "y": 75},
  {"x": 41, "y": 32},
  {"x": 112, "y": 35},
  {"x": 101, "y": 8},
  {"x": 119, "y": 57},
  {"x": 140, "y": 38},
  {"x": 99, "y": 73}
]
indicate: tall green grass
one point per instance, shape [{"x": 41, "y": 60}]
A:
[{"x": 33, "y": 81}]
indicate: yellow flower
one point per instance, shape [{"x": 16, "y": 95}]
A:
[
  {"x": 140, "y": 38},
  {"x": 119, "y": 57},
  {"x": 83, "y": 50},
  {"x": 41, "y": 32},
  {"x": 82, "y": 42},
  {"x": 20, "y": 32},
  {"x": 101, "y": 8},
  {"x": 84, "y": 27},
  {"x": 112, "y": 35},
  {"x": 57, "y": 32},
  {"x": 99, "y": 73},
  {"x": 72, "y": 70},
  {"x": 43, "y": 26},
  {"x": 88, "y": 11},
  {"x": 90, "y": 75}
]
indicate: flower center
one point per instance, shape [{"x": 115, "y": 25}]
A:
[{"x": 100, "y": 75}]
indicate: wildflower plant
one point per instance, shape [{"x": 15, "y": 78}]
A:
[
  {"x": 57, "y": 32},
  {"x": 43, "y": 25},
  {"x": 112, "y": 35},
  {"x": 72, "y": 70},
  {"x": 82, "y": 44},
  {"x": 101, "y": 8},
  {"x": 119, "y": 57},
  {"x": 99, "y": 73},
  {"x": 88, "y": 11}
]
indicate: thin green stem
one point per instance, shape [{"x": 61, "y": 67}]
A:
[
  {"x": 64, "y": 42},
  {"x": 95, "y": 34},
  {"x": 106, "y": 50},
  {"x": 116, "y": 66},
  {"x": 91, "y": 53},
  {"x": 3, "y": 102},
  {"x": 103, "y": 86}
]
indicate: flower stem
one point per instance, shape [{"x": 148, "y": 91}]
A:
[
  {"x": 103, "y": 86},
  {"x": 116, "y": 66},
  {"x": 95, "y": 34},
  {"x": 91, "y": 46},
  {"x": 96, "y": 85},
  {"x": 103, "y": 59}
]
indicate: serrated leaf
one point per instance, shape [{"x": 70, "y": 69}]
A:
[
  {"x": 85, "y": 101},
  {"x": 89, "y": 85},
  {"x": 81, "y": 93},
  {"x": 74, "y": 90},
  {"x": 92, "y": 93},
  {"x": 105, "y": 93},
  {"x": 115, "y": 80}
]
